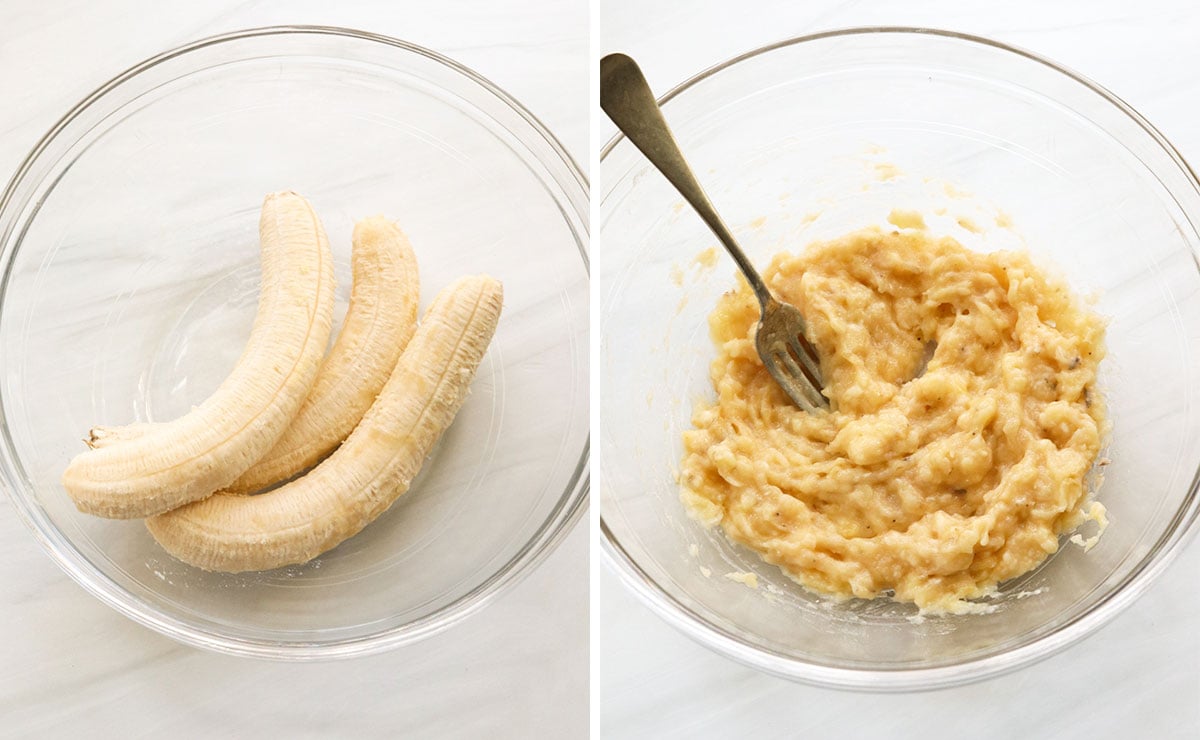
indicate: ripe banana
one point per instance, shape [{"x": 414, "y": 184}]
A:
[
  {"x": 146, "y": 469},
  {"x": 379, "y": 323},
  {"x": 369, "y": 471}
]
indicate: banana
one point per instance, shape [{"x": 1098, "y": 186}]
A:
[
  {"x": 379, "y": 323},
  {"x": 369, "y": 471},
  {"x": 101, "y": 436},
  {"x": 145, "y": 469}
]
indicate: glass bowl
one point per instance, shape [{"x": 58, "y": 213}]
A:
[
  {"x": 129, "y": 250},
  {"x": 818, "y": 136}
]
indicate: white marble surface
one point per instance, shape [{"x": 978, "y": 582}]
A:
[
  {"x": 1140, "y": 675},
  {"x": 74, "y": 668}
]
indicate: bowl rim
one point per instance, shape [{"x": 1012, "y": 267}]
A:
[
  {"x": 559, "y": 522},
  {"x": 1179, "y": 530}
]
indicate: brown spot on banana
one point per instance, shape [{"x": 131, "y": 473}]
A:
[{"x": 104, "y": 436}]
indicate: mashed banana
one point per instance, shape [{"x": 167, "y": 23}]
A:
[{"x": 930, "y": 484}]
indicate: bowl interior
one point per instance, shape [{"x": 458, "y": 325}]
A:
[
  {"x": 818, "y": 138},
  {"x": 131, "y": 283}
]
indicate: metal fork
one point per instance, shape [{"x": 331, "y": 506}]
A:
[{"x": 785, "y": 351}]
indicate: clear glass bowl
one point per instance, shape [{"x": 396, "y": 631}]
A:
[
  {"x": 128, "y": 244},
  {"x": 821, "y": 135}
]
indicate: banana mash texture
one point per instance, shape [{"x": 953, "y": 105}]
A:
[{"x": 929, "y": 484}]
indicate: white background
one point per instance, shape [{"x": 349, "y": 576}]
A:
[
  {"x": 72, "y": 668},
  {"x": 1139, "y": 677}
]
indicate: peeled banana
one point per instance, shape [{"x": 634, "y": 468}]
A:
[
  {"x": 146, "y": 469},
  {"x": 379, "y": 323},
  {"x": 369, "y": 471}
]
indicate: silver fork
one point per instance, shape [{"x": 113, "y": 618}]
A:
[{"x": 785, "y": 351}]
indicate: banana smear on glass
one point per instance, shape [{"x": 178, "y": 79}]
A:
[
  {"x": 147, "y": 469},
  {"x": 369, "y": 471}
]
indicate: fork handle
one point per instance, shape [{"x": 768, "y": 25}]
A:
[{"x": 626, "y": 98}]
